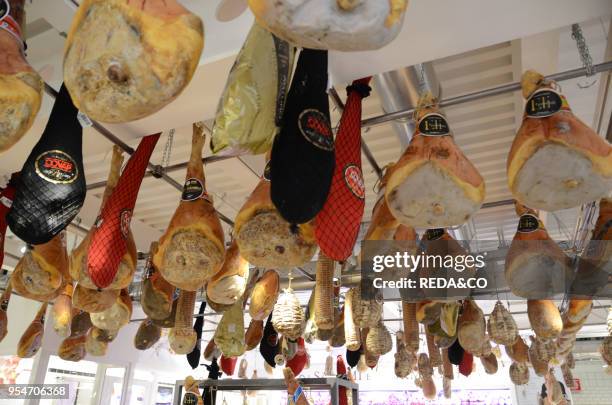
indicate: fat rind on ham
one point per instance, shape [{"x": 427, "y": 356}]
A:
[
  {"x": 125, "y": 60},
  {"x": 20, "y": 86},
  {"x": 557, "y": 161},
  {"x": 450, "y": 188},
  {"x": 332, "y": 24},
  {"x": 191, "y": 250}
]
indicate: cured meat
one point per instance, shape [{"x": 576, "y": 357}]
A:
[
  {"x": 338, "y": 339},
  {"x": 519, "y": 373},
  {"x": 269, "y": 346},
  {"x": 434, "y": 351},
  {"x": 556, "y": 161},
  {"x": 298, "y": 362},
  {"x": 402, "y": 366},
  {"x": 125, "y": 60},
  {"x": 489, "y": 362},
  {"x": 81, "y": 323},
  {"x": 229, "y": 336},
  {"x": 227, "y": 286},
  {"x": 253, "y": 334},
  {"x": 51, "y": 188},
  {"x": 182, "y": 337},
  {"x": 426, "y": 373},
  {"x": 501, "y": 326},
  {"x": 471, "y": 331},
  {"x": 4, "y": 303},
  {"x": 467, "y": 364},
  {"x": 535, "y": 265},
  {"x": 366, "y": 312},
  {"x": 339, "y": 221},
  {"x": 411, "y": 326},
  {"x": 192, "y": 392},
  {"x": 73, "y": 348},
  {"x": 170, "y": 320},
  {"x": 43, "y": 267},
  {"x": 211, "y": 351},
  {"x": 19, "y": 286},
  {"x": 574, "y": 317},
  {"x": 157, "y": 294},
  {"x": 383, "y": 224},
  {"x": 324, "y": 293},
  {"x": 544, "y": 318},
  {"x": 518, "y": 352},
  {"x": 193, "y": 357},
  {"x": 228, "y": 365},
  {"x": 288, "y": 318},
  {"x": 21, "y": 89},
  {"x": 110, "y": 239},
  {"x": 191, "y": 250},
  {"x": 292, "y": 386},
  {"x": 265, "y": 238},
  {"x": 116, "y": 316},
  {"x": 310, "y": 330},
  {"x": 31, "y": 340},
  {"x": 147, "y": 335},
  {"x": 343, "y": 25},
  {"x": 252, "y": 105},
  {"x": 62, "y": 311},
  {"x": 595, "y": 263},
  {"x": 450, "y": 188},
  {"x": 91, "y": 300},
  {"x": 303, "y": 157},
  {"x": 78, "y": 257},
  {"x": 352, "y": 335},
  {"x": 264, "y": 295},
  {"x": 93, "y": 345},
  {"x": 7, "y": 194},
  {"x": 379, "y": 340}
]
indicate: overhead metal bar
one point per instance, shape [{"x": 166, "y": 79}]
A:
[
  {"x": 494, "y": 91},
  {"x": 364, "y": 147},
  {"x": 155, "y": 170}
]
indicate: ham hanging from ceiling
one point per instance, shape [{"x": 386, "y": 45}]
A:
[
  {"x": 252, "y": 105},
  {"x": 556, "y": 161},
  {"x": 86, "y": 293},
  {"x": 339, "y": 220},
  {"x": 343, "y": 25},
  {"x": 4, "y": 303},
  {"x": 303, "y": 157},
  {"x": 157, "y": 294},
  {"x": 536, "y": 267},
  {"x": 21, "y": 89},
  {"x": 433, "y": 185},
  {"x": 51, "y": 188},
  {"x": 265, "y": 238},
  {"x": 111, "y": 234},
  {"x": 125, "y": 60},
  {"x": 7, "y": 195},
  {"x": 191, "y": 250},
  {"x": 31, "y": 340}
]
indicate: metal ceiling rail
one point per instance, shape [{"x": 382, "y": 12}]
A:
[
  {"x": 155, "y": 170},
  {"x": 494, "y": 91}
]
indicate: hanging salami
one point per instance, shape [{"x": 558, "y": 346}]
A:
[
  {"x": 339, "y": 220},
  {"x": 109, "y": 241}
]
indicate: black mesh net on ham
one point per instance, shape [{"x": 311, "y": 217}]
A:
[
  {"x": 51, "y": 189},
  {"x": 302, "y": 164},
  {"x": 193, "y": 358}
]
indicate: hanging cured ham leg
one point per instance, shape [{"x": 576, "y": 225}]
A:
[
  {"x": 110, "y": 238},
  {"x": 339, "y": 220},
  {"x": 556, "y": 160},
  {"x": 343, "y": 25},
  {"x": 51, "y": 188},
  {"x": 265, "y": 238},
  {"x": 20, "y": 86},
  {"x": 536, "y": 267},
  {"x": 4, "y": 303},
  {"x": 192, "y": 249},
  {"x": 85, "y": 290},
  {"x": 31, "y": 340},
  {"x": 43, "y": 267},
  {"x": 450, "y": 188},
  {"x": 125, "y": 60}
]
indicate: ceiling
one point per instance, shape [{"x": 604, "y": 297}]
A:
[{"x": 466, "y": 62}]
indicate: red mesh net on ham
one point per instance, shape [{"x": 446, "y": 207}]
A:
[
  {"x": 339, "y": 220},
  {"x": 109, "y": 240},
  {"x": 6, "y": 200}
]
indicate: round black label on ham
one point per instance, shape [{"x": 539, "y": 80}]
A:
[
  {"x": 543, "y": 103},
  {"x": 51, "y": 189},
  {"x": 190, "y": 399},
  {"x": 433, "y": 125},
  {"x": 434, "y": 234},
  {"x": 303, "y": 159},
  {"x": 528, "y": 223},
  {"x": 192, "y": 190},
  {"x": 4, "y": 9}
]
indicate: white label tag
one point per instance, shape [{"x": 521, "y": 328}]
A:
[
  {"x": 231, "y": 328},
  {"x": 84, "y": 120},
  {"x": 6, "y": 202}
]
